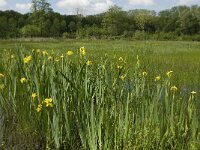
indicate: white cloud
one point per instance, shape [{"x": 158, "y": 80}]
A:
[
  {"x": 188, "y": 2},
  {"x": 73, "y": 3},
  {"x": 23, "y": 7},
  {"x": 86, "y": 6},
  {"x": 3, "y": 3},
  {"x": 142, "y": 2},
  {"x": 100, "y": 6}
]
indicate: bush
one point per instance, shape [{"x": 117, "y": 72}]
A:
[
  {"x": 141, "y": 35},
  {"x": 30, "y": 31},
  {"x": 66, "y": 35},
  {"x": 165, "y": 36}
]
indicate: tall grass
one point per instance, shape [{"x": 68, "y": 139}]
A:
[{"x": 99, "y": 105}]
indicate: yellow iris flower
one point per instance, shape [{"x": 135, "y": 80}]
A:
[
  {"x": 27, "y": 59},
  {"x": 70, "y": 53},
  {"x": 23, "y": 80},
  {"x": 82, "y": 51}
]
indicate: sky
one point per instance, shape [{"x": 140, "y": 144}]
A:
[{"x": 87, "y": 7}]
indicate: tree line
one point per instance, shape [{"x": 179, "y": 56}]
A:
[{"x": 180, "y": 22}]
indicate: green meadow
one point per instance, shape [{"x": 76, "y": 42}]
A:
[
  {"x": 156, "y": 57},
  {"x": 99, "y": 95}
]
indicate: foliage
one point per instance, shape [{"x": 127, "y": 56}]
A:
[
  {"x": 115, "y": 21},
  {"x": 180, "y": 22},
  {"x": 41, "y": 5},
  {"x": 30, "y": 31},
  {"x": 72, "y": 100}
]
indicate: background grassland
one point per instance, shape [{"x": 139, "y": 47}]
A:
[
  {"x": 99, "y": 106},
  {"x": 157, "y": 57}
]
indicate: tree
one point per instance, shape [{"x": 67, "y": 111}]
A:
[
  {"x": 46, "y": 28},
  {"x": 72, "y": 26},
  {"x": 41, "y": 5},
  {"x": 3, "y": 27},
  {"x": 12, "y": 27},
  {"x": 30, "y": 31},
  {"x": 143, "y": 19},
  {"x": 43, "y": 22},
  {"x": 63, "y": 26},
  {"x": 55, "y": 28},
  {"x": 189, "y": 21},
  {"x": 169, "y": 20},
  {"x": 115, "y": 21},
  {"x": 92, "y": 19}
]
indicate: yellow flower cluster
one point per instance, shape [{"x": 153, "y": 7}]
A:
[
  {"x": 158, "y": 78},
  {"x": 119, "y": 67},
  {"x": 122, "y": 77},
  {"x": 144, "y": 74},
  {"x": 121, "y": 63},
  {"x": 27, "y": 59},
  {"x": 70, "y": 53},
  {"x": 44, "y": 53},
  {"x": 39, "y": 108},
  {"x": 82, "y": 51},
  {"x": 50, "y": 58},
  {"x": 169, "y": 73},
  {"x": 38, "y": 51},
  {"x": 23, "y": 80},
  {"x": 174, "y": 88},
  {"x": 89, "y": 63},
  {"x": 48, "y": 102},
  {"x": 33, "y": 95},
  {"x": 121, "y": 59},
  {"x": 193, "y": 92}
]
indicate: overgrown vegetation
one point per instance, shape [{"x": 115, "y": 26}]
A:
[
  {"x": 177, "y": 23},
  {"x": 82, "y": 99}
]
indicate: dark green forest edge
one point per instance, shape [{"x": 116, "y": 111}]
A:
[{"x": 177, "y": 23}]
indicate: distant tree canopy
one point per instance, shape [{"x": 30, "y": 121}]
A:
[
  {"x": 41, "y": 5},
  {"x": 180, "y": 21}
]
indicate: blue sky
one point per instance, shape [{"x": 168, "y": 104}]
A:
[{"x": 95, "y": 6}]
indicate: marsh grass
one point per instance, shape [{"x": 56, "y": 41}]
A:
[{"x": 97, "y": 106}]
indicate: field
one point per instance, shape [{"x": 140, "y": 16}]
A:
[{"x": 99, "y": 95}]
